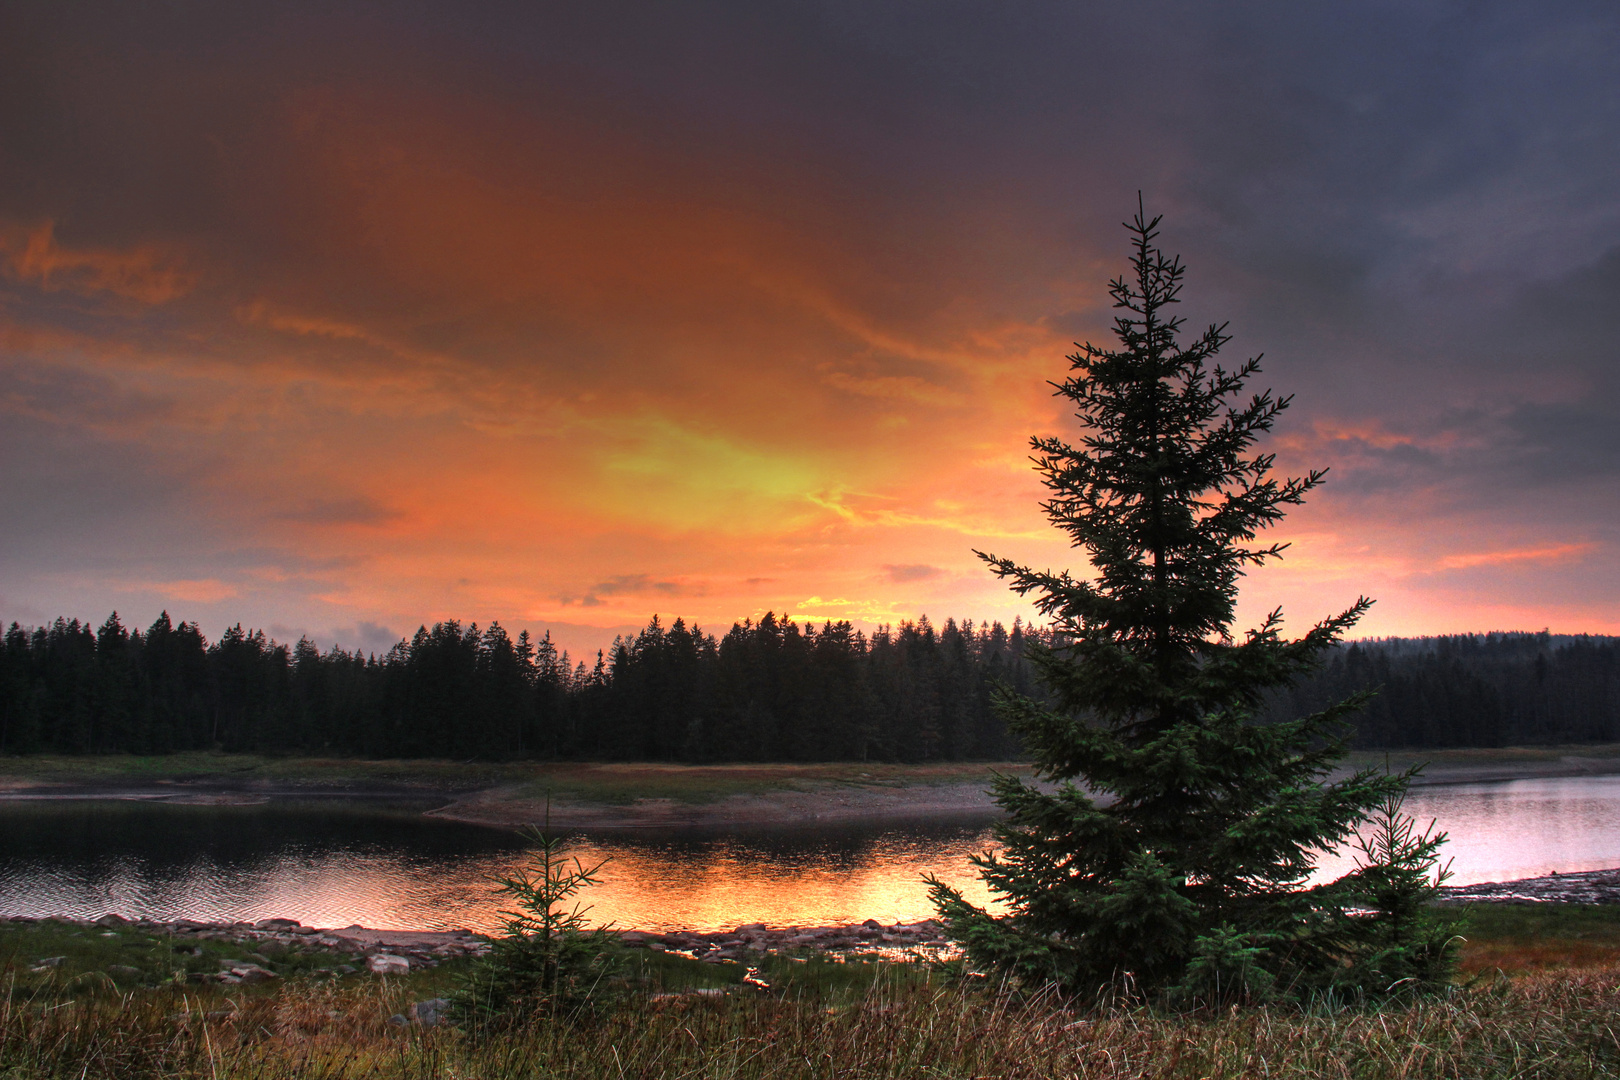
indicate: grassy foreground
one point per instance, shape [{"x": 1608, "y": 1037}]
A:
[{"x": 1543, "y": 1014}]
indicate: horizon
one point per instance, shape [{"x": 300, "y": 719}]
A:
[
  {"x": 582, "y": 650},
  {"x": 336, "y": 321}
]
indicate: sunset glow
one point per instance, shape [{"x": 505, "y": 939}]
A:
[{"x": 337, "y": 325}]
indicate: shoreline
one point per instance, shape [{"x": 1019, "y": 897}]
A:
[
  {"x": 399, "y": 951},
  {"x": 386, "y": 951},
  {"x": 698, "y": 797}
]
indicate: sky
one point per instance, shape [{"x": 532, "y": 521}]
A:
[{"x": 339, "y": 318}]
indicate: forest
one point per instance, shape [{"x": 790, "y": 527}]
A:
[
  {"x": 771, "y": 690},
  {"x": 1471, "y": 690}
]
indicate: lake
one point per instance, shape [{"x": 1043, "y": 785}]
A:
[{"x": 334, "y": 862}]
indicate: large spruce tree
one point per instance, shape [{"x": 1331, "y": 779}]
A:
[{"x": 1165, "y": 845}]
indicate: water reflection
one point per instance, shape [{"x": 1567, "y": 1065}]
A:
[
  {"x": 333, "y": 863},
  {"x": 330, "y": 865},
  {"x": 783, "y": 880},
  {"x": 1505, "y": 830}
]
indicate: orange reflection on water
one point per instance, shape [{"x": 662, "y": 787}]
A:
[
  {"x": 681, "y": 884},
  {"x": 726, "y": 883},
  {"x": 661, "y": 883}
]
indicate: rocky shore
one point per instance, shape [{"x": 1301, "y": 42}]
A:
[
  {"x": 396, "y": 952},
  {"x": 351, "y": 949},
  {"x": 736, "y": 945},
  {"x": 331, "y": 952},
  {"x": 1588, "y": 887}
]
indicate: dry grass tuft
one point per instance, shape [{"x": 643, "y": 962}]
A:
[{"x": 1546, "y": 1026}]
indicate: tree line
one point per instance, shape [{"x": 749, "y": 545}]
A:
[
  {"x": 771, "y": 690},
  {"x": 1470, "y": 690}
]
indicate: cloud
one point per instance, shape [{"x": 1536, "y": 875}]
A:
[
  {"x": 631, "y": 585},
  {"x": 353, "y": 510},
  {"x": 145, "y": 274},
  {"x": 450, "y": 315},
  {"x": 903, "y": 387},
  {"x": 1549, "y": 553},
  {"x": 374, "y": 637},
  {"x": 185, "y": 590},
  {"x": 912, "y": 572}
]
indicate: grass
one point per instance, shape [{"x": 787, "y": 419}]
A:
[
  {"x": 1506, "y": 757},
  {"x": 886, "y": 1021},
  {"x": 587, "y": 782},
  {"x": 621, "y": 784},
  {"x": 1528, "y": 938},
  {"x": 95, "y": 959},
  {"x": 820, "y": 1019},
  {"x": 614, "y": 784},
  {"x": 617, "y": 784},
  {"x": 92, "y": 770}
]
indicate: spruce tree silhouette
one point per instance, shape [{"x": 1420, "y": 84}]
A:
[{"x": 1167, "y": 852}]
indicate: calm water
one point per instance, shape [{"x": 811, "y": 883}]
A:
[{"x": 334, "y": 863}]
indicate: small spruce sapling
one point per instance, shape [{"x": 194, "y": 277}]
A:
[
  {"x": 1403, "y": 946},
  {"x": 548, "y": 962}
]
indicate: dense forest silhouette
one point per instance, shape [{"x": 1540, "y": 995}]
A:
[
  {"x": 1471, "y": 690},
  {"x": 772, "y": 690}
]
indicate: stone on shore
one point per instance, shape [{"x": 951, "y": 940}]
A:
[{"x": 387, "y": 964}]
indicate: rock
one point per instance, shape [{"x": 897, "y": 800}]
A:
[
  {"x": 122, "y": 969},
  {"x": 251, "y": 973},
  {"x": 110, "y": 919},
  {"x": 399, "y": 1020},
  {"x": 278, "y": 925},
  {"x": 430, "y": 1013},
  {"x": 48, "y": 963},
  {"x": 872, "y": 924},
  {"x": 386, "y": 964}
]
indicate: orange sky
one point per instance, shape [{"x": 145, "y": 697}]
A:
[{"x": 335, "y": 327}]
